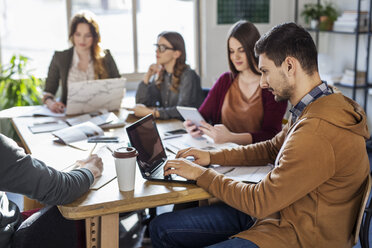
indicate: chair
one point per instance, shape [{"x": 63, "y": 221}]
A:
[
  {"x": 361, "y": 229},
  {"x": 48, "y": 228},
  {"x": 205, "y": 92},
  {"x": 365, "y": 222}
]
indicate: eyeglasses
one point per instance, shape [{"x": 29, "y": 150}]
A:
[{"x": 163, "y": 48}]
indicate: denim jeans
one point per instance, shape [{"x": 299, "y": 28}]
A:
[{"x": 200, "y": 227}]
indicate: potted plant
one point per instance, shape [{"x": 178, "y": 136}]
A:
[
  {"x": 328, "y": 16},
  {"x": 18, "y": 87},
  {"x": 311, "y": 14}
]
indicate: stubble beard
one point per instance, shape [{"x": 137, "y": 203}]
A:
[{"x": 286, "y": 91}]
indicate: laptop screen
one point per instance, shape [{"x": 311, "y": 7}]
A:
[{"x": 144, "y": 136}]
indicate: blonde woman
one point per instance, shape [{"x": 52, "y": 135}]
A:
[
  {"x": 170, "y": 82},
  {"x": 85, "y": 60}
]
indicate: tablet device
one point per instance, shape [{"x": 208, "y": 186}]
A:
[{"x": 192, "y": 114}]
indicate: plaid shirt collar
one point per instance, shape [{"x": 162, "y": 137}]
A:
[{"x": 319, "y": 91}]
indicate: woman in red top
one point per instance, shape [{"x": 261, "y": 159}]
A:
[{"x": 237, "y": 109}]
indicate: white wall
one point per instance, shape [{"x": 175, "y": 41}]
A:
[{"x": 214, "y": 53}]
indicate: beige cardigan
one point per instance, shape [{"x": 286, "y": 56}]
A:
[{"x": 312, "y": 197}]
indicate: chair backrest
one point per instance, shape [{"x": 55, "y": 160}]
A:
[{"x": 363, "y": 204}]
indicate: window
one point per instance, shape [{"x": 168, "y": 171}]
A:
[
  {"x": 154, "y": 17},
  {"x": 35, "y": 34},
  {"x": 130, "y": 38}
]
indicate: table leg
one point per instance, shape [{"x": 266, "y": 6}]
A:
[
  {"x": 91, "y": 231},
  {"x": 102, "y": 231},
  {"x": 110, "y": 231}
]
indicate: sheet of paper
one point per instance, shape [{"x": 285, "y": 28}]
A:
[
  {"x": 108, "y": 173},
  {"x": 78, "y": 119},
  {"x": 78, "y": 132},
  {"x": 47, "y": 126},
  {"x": 251, "y": 174},
  {"x": 185, "y": 141},
  {"x": 38, "y": 110},
  {"x": 104, "y": 118}
]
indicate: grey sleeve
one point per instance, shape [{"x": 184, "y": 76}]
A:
[
  {"x": 190, "y": 95},
  {"x": 20, "y": 173},
  {"x": 147, "y": 94}
]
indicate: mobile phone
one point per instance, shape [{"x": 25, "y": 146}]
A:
[{"x": 175, "y": 132}]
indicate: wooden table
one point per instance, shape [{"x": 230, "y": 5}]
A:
[{"x": 100, "y": 208}]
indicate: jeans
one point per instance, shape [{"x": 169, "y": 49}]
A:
[{"x": 200, "y": 227}]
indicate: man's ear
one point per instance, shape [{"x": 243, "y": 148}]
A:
[{"x": 289, "y": 66}]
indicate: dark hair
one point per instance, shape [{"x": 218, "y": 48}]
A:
[
  {"x": 289, "y": 39},
  {"x": 177, "y": 42},
  {"x": 88, "y": 18},
  {"x": 247, "y": 34}
]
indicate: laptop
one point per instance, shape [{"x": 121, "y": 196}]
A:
[
  {"x": 144, "y": 136},
  {"x": 93, "y": 95}
]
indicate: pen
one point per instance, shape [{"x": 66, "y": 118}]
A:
[
  {"x": 109, "y": 148},
  {"x": 91, "y": 151},
  {"x": 44, "y": 123},
  {"x": 104, "y": 138},
  {"x": 228, "y": 171}
]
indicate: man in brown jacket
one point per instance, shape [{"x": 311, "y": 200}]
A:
[{"x": 311, "y": 197}]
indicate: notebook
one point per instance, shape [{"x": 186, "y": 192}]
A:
[
  {"x": 93, "y": 95},
  {"x": 144, "y": 136}
]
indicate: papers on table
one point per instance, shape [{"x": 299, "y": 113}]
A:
[
  {"x": 179, "y": 142},
  {"x": 108, "y": 173},
  {"x": 107, "y": 120},
  {"x": 78, "y": 132},
  {"x": 250, "y": 174},
  {"x": 98, "y": 120},
  {"x": 48, "y": 126},
  {"x": 38, "y": 110}
]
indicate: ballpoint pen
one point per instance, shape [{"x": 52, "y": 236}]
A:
[
  {"x": 91, "y": 151},
  {"x": 228, "y": 171}
]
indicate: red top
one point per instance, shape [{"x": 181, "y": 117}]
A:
[{"x": 273, "y": 111}]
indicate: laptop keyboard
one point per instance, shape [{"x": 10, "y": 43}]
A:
[{"x": 159, "y": 173}]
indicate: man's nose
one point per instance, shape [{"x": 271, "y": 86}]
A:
[{"x": 263, "y": 82}]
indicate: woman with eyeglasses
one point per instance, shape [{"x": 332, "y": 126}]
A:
[
  {"x": 168, "y": 83},
  {"x": 85, "y": 60},
  {"x": 237, "y": 109}
]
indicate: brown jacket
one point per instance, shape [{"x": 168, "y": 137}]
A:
[
  {"x": 60, "y": 66},
  {"x": 312, "y": 197}
]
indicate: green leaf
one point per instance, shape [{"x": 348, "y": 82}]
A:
[{"x": 18, "y": 86}]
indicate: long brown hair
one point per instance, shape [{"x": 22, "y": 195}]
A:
[
  {"x": 177, "y": 42},
  {"x": 247, "y": 34},
  {"x": 96, "y": 52}
]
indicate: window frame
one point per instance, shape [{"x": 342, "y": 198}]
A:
[{"x": 136, "y": 75}]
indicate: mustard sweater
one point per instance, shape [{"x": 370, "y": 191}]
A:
[{"x": 312, "y": 197}]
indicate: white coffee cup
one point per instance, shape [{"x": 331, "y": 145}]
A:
[{"x": 125, "y": 164}]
